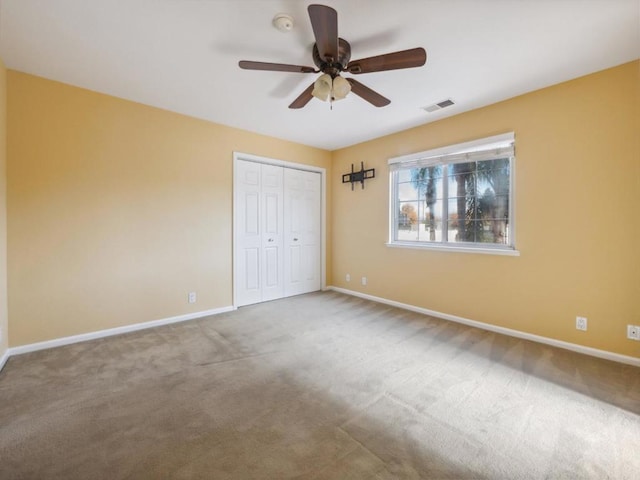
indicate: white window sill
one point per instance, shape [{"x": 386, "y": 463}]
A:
[{"x": 456, "y": 248}]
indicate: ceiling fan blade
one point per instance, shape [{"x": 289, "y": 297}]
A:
[
  {"x": 415, "y": 57},
  {"x": 274, "y": 67},
  {"x": 303, "y": 99},
  {"x": 324, "y": 21},
  {"x": 374, "y": 98}
]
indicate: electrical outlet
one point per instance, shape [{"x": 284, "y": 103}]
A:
[
  {"x": 192, "y": 297},
  {"x": 633, "y": 332},
  {"x": 348, "y": 277},
  {"x": 581, "y": 323},
  {"x": 364, "y": 280}
]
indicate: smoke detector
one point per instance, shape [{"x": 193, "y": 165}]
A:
[
  {"x": 283, "y": 22},
  {"x": 439, "y": 106}
]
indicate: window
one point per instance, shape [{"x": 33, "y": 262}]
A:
[{"x": 458, "y": 197}]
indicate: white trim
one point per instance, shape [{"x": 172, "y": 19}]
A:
[
  {"x": 58, "y": 342},
  {"x": 458, "y": 148},
  {"x": 323, "y": 229},
  {"x": 448, "y": 248},
  {"x": 594, "y": 352},
  {"x": 323, "y": 207},
  {"x": 4, "y": 358},
  {"x": 279, "y": 163},
  {"x": 512, "y": 200}
]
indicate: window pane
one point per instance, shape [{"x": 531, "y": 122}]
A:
[
  {"x": 431, "y": 221},
  {"x": 481, "y": 232},
  {"x": 407, "y": 228},
  {"x": 420, "y": 203},
  {"x": 467, "y": 168},
  {"x": 408, "y": 191},
  {"x": 463, "y": 213},
  {"x": 454, "y": 205},
  {"x": 494, "y": 174},
  {"x": 404, "y": 175},
  {"x": 452, "y": 232},
  {"x": 464, "y": 230},
  {"x": 497, "y": 164},
  {"x": 428, "y": 182},
  {"x": 496, "y": 231},
  {"x": 465, "y": 207},
  {"x": 462, "y": 184},
  {"x": 484, "y": 184},
  {"x": 494, "y": 207},
  {"x": 457, "y": 231}
]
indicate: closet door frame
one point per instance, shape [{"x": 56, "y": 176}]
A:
[{"x": 323, "y": 207}]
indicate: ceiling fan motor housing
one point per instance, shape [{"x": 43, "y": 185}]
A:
[{"x": 333, "y": 67}]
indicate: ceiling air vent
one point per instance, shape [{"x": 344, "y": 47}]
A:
[{"x": 439, "y": 106}]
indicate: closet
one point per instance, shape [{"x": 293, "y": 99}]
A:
[{"x": 277, "y": 231}]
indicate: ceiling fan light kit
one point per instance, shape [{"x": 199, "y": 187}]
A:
[
  {"x": 332, "y": 56},
  {"x": 322, "y": 87},
  {"x": 327, "y": 88},
  {"x": 341, "y": 88}
]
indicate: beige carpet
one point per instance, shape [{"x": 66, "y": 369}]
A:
[{"x": 321, "y": 386}]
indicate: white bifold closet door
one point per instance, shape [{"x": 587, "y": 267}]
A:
[
  {"x": 277, "y": 232},
  {"x": 302, "y": 223}
]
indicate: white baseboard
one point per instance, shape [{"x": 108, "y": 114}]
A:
[
  {"x": 4, "y": 359},
  {"x": 594, "y": 352},
  {"x": 58, "y": 342}
]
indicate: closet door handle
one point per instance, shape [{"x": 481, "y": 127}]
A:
[
  {"x": 295, "y": 239},
  {"x": 271, "y": 240}
]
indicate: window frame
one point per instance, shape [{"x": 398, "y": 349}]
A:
[{"x": 449, "y": 155}]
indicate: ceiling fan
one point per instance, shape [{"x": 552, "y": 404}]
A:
[{"x": 332, "y": 56}]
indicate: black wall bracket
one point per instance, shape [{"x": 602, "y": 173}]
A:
[{"x": 360, "y": 176}]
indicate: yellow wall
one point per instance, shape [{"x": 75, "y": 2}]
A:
[
  {"x": 117, "y": 210},
  {"x": 3, "y": 211},
  {"x": 576, "y": 212}
]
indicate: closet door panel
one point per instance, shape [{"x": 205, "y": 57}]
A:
[
  {"x": 302, "y": 228},
  {"x": 272, "y": 229},
  {"x": 248, "y": 239}
]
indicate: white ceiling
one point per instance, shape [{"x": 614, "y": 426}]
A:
[{"x": 182, "y": 55}]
